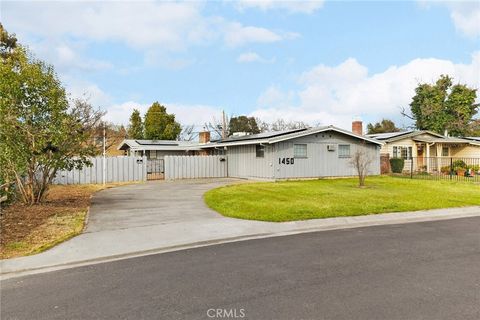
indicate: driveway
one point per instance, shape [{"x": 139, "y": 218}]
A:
[
  {"x": 152, "y": 203},
  {"x": 163, "y": 216}
]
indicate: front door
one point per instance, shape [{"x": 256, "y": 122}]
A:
[{"x": 420, "y": 157}]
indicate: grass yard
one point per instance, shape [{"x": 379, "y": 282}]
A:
[
  {"x": 27, "y": 230},
  {"x": 325, "y": 198}
]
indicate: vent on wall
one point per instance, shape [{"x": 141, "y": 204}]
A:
[{"x": 330, "y": 147}]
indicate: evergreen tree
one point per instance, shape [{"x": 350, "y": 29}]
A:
[
  {"x": 159, "y": 125},
  {"x": 135, "y": 128}
]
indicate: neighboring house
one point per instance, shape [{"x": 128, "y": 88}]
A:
[
  {"x": 158, "y": 149},
  {"x": 421, "y": 144},
  {"x": 302, "y": 153},
  {"x": 427, "y": 150}
]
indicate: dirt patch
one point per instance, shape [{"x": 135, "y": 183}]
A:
[{"x": 31, "y": 229}]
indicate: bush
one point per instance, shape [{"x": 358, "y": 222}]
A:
[
  {"x": 445, "y": 170},
  {"x": 397, "y": 165},
  {"x": 459, "y": 164}
]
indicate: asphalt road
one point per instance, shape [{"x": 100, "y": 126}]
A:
[{"x": 428, "y": 270}]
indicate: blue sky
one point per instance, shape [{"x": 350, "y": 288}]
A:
[{"x": 318, "y": 62}]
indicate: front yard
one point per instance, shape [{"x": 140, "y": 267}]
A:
[
  {"x": 311, "y": 199},
  {"x": 28, "y": 230}
]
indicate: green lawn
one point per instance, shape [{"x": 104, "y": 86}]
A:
[{"x": 310, "y": 199}]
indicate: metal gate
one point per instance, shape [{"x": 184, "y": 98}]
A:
[{"x": 155, "y": 169}]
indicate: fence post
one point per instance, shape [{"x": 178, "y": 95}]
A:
[
  {"x": 451, "y": 168},
  {"x": 411, "y": 167}
]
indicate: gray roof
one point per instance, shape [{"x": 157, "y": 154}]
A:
[
  {"x": 473, "y": 138},
  {"x": 263, "y": 135},
  {"x": 269, "y": 139},
  {"x": 414, "y": 135},
  {"x": 167, "y": 145},
  {"x": 388, "y": 135},
  {"x": 393, "y": 136}
]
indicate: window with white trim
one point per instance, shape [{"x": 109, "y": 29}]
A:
[
  {"x": 445, "y": 151},
  {"x": 402, "y": 152},
  {"x": 299, "y": 150},
  {"x": 344, "y": 151}
]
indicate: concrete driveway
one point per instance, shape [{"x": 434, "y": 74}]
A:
[
  {"x": 164, "y": 216},
  {"x": 152, "y": 203}
]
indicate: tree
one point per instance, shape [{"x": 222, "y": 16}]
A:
[
  {"x": 188, "y": 133},
  {"x": 383, "y": 126},
  {"x": 159, "y": 125},
  {"x": 243, "y": 124},
  {"x": 41, "y": 131},
  {"x": 114, "y": 134},
  {"x": 135, "y": 128},
  {"x": 474, "y": 128},
  {"x": 443, "y": 106},
  {"x": 8, "y": 43},
  {"x": 282, "y": 125},
  {"x": 361, "y": 162},
  {"x": 216, "y": 127}
]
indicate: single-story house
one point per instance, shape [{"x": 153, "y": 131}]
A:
[
  {"x": 301, "y": 153},
  {"x": 427, "y": 150},
  {"x": 157, "y": 149},
  {"x": 421, "y": 144}
]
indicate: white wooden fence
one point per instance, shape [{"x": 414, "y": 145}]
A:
[
  {"x": 193, "y": 167},
  {"x": 117, "y": 169}
]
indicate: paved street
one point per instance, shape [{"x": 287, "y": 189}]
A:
[{"x": 428, "y": 270}]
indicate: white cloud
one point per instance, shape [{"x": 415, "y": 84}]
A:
[
  {"x": 466, "y": 17},
  {"x": 173, "y": 26},
  {"x": 238, "y": 35},
  {"x": 465, "y": 14},
  {"x": 273, "y": 96},
  {"x": 253, "y": 57},
  {"x": 335, "y": 95},
  {"x": 289, "y": 6}
]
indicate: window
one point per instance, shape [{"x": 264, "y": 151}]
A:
[
  {"x": 402, "y": 152},
  {"x": 344, "y": 151},
  {"x": 259, "y": 151},
  {"x": 445, "y": 152},
  {"x": 299, "y": 150}
]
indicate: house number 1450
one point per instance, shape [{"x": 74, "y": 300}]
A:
[{"x": 285, "y": 160}]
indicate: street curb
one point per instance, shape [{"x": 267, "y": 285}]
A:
[{"x": 342, "y": 224}]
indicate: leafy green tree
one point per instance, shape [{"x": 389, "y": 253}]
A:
[
  {"x": 243, "y": 124},
  {"x": 8, "y": 42},
  {"x": 443, "y": 106},
  {"x": 383, "y": 126},
  {"x": 474, "y": 128},
  {"x": 41, "y": 132},
  {"x": 135, "y": 129},
  {"x": 159, "y": 125}
]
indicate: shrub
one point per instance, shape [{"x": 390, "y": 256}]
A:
[
  {"x": 459, "y": 164},
  {"x": 397, "y": 165},
  {"x": 445, "y": 170}
]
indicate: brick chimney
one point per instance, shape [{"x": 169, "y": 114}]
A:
[
  {"x": 357, "y": 127},
  {"x": 204, "y": 137}
]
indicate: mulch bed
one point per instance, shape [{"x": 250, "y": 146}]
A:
[{"x": 17, "y": 221}]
